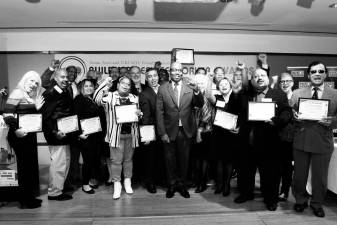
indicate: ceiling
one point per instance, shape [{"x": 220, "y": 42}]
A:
[{"x": 291, "y": 16}]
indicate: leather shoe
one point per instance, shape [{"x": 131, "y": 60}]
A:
[
  {"x": 151, "y": 188},
  {"x": 94, "y": 186},
  {"x": 30, "y": 204},
  {"x": 243, "y": 198},
  {"x": 319, "y": 212},
  {"x": 109, "y": 183},
  {"x": 91, "y": 191},
  {"x": 170, "y": 192},
  {"x": 183, "y": 192},
  {"x": 61, "y": 197},
  {"x": 226, "y": 190},
  {"x": 300, "y": 207},
  {"x": 271, "y": 206}
]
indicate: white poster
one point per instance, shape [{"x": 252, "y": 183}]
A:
[{"x": 102, "y": 62}]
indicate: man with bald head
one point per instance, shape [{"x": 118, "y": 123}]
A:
[
  {"x": 262, "y": 137},
  {"x": 58, "y": 104},
  {"x": 176, "y": 126}
]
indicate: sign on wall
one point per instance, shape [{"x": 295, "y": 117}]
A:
[{"x": 102, "y": 62}]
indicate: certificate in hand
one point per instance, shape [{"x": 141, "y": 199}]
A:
[
  {"x": 126, "y": 113},
  {"x": 147, "y": 133},
  {"x": 30, "y": 122},
  {"x": 261, "y": 111},
  {"x": 312, "y": 109},
  {"x": 91, "y": 125},
  {"x": 68, "y": 124},
  {"x": 225, "y": 120}
]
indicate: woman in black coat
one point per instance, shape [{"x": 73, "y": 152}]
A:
[{"x": 88, "y": 144}]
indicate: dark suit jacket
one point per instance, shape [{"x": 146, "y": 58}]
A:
[
  {"x": 310, "y": 136},
  {"x": 147, "y": 103},
  {"x": 168, "y": 112},
  {"x": 266, "y": 136}
]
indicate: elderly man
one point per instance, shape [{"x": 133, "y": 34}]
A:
[
  {"x": 176, "y": 126},
  {"x": 58, "y": 104},
  {"x": 262, "y": 151},
  {"x": 313, "y": 143},
  {"x": 135, "y": 75}
]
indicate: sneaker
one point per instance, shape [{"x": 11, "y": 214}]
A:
[
  {"x": 61, "y": 197},
  {"x": 127, "y": 186},
  {"x": 117, "y": 190}
]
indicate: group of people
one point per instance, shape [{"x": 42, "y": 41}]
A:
[{"x": 188, "y": 142}]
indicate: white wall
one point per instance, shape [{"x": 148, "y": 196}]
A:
[{"x": 165, "y": 41}]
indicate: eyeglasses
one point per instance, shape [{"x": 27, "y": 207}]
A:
[
  {"x": 317, "y": 71},
  {"x": 285, "y": 81}
]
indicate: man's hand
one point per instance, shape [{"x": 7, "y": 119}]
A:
[
  {"x": 326, "y": 121},
  {"x": 20, "y": 133},
  {"x": 240, "y": 65},
  {"x": 147, "y": 142},
  {"x": 83, "y": 136},
  {"x": 263, "y": 58},
  {"x": 165, "y": 138},
  {"x": 55, "y": 64},
  {"x": 60, "y": 135},
  {"x": 193, "y": 85}
]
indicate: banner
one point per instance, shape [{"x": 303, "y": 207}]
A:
[{"x": 102, "y": 62}]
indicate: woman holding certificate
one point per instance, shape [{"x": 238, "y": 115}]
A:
[
  {"x": 121, "y": 109},
  {"x": 89, "y": 141},
  {"x": 226, "y": 127},
  {"x": 25, "y": 101}
]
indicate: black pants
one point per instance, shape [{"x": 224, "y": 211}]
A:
[
  {"x": 176, "y": 155},
  {"x": 91, "y": 162},
  {"x": 286, "y": 166},
  {"x": 268, "y": 163}
]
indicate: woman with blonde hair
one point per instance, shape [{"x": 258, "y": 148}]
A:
[{"x": 25, "y": 99}]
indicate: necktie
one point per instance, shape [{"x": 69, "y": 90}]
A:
[
  {"x": 315, "y": 95},
  {"x": 176, "y": 93}
]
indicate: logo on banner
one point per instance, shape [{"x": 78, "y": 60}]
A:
[
  {"x": 297, "y": 73},
  {"x": 78, "y": 63},
  {"x": 332, "y": 72}
]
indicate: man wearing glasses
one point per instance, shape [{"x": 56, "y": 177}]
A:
[{"x": 313, "y": 142}]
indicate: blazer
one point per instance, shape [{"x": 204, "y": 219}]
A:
[
  {"x": 310, "y": 136},
  {"x": 168, "y": 112},
  {"x": 147, "y": 103}
]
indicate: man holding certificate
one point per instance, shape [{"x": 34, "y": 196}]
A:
[
  {"x": 57, "y": 123},
  {"x": 176, "y": 126},
  {"x": 261, "y": 133},
  {"x": 121, "y": 109},
  {"x": 313, "y": 139}
]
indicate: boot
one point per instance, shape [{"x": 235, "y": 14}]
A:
[
  {"x": 127, "y": 186},
  {"x": 117, "y": 190}
]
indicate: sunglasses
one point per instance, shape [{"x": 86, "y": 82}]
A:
[{"x": 317, "y": 71}]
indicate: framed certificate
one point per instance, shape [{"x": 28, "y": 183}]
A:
[
  {"x": 183, "y": 56},
  {"x": 225, "y": 120},
  {"x": 147, "y": 133},
  {"x": 30, "y": 122},
  {"x": 68, "y": 124},
  {"x": 126, "y": 113},
  {"x": 261, "y": 111},
  {"x": 312, "y": 109},
  {"x": 91, "y": 125}
]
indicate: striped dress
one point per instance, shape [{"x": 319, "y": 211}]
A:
[{"x": 108, "y": 100}]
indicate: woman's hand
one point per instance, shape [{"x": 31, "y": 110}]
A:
[
  {"x": 20, "y": 133},
  {"x": 39, "y": 102},
  {"x": 139, "y": 113},
  {"x": 83, "y": 136},
  {"x": 60, "y": 135}
]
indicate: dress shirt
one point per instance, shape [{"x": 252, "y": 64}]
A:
[{"x": 261, "y": 95}]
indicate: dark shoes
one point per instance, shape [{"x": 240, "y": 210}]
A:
[
  {"x": 151, "y": 188},
  {"x": 94, "y": 186},
  {"x": 319, "y": 212},
  {"x": 61, "y": 197},
  {"x": 32, "y": 204},
  {"x": 218, "y": 189},
  {"x": 300, "y": 207},
  {"x": 91, "y": 191},
  {"x": 170, "y": 192},
  {"x": 271, "y": 206},
  {"x": 108, "y": 183},
  {"x": 243, "y": 198},
  {"x": 226, "y": 190},
  {"x": 183, "y": 192}
]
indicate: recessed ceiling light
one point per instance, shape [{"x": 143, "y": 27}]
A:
[{"x": 334, "y": 5}]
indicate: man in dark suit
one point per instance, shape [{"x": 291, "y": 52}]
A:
[
  {"x": 176, "y": 125},
  {"x": 151, "y": 150},
  {"x": 262, "y": 150},
  {"x": 313, "y": 143}
]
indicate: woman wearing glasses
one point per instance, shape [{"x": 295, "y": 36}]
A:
[{"x": 286, "y": 84}]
